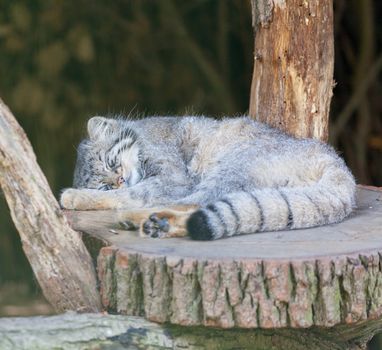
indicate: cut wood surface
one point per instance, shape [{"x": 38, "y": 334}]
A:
[
  {"x": 58, "y": 257},
  {"x": 293, "y": 65},
  {"x": 322, "y": 276}
]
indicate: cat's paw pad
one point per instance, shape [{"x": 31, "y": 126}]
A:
[{"x": 155, "y": 227}]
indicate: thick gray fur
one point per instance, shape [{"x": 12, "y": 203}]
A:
[{"x": 246, "y": 176}]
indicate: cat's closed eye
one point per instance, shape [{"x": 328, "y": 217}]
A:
[
  {"x": 105, "y": 187},
  {"x": 113, "y": 164}
]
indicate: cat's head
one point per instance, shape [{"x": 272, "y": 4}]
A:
[{"x": 111, "y": 156}]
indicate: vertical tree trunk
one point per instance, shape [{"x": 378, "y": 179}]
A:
[
  {"x": 56, "y": 253},
  {"x": 293, "y": 71}
]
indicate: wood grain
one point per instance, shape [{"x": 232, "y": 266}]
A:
[
  {"x": 56, "y": 253},
  {"x": 293, "y": 65},
  {"x": 72, "y": 331}
]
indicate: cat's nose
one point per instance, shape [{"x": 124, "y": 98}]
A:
[{"x": 120, "y": 181}]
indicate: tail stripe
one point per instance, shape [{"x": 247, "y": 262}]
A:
[
  {"x": 234, "y": 213},
  {"x": 261, "y": 211},
  {"x": 215, "y": 210},
  {"x": 290, "y": 214}
]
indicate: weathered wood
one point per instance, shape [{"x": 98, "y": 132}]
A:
[
  {"x": 97, "y": 331},
  {"x": 293, "y": 65},
  {"x": 56, "y": 253},
  {"x": 324, "y": 276}
]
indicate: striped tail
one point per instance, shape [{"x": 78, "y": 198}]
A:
[{"x": 327, "y": 201}]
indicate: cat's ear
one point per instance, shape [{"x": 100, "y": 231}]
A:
[{"x": 99, "y": 128}]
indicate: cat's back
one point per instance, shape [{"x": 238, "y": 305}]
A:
[{"x": 211, "y": 136}]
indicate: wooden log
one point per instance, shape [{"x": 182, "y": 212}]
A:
[
  {"x": 56, "y": 253},
  {"x": 97, "y": 331},
  {"x": 327, "y": 276},
  {"x": 293, "y": 65}
]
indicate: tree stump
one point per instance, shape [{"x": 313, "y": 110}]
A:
[{"x": 326, "y": 281}]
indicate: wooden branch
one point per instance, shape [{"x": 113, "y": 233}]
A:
[
  {"x": 354, "y": 101},
  {"x": 97, "y": 331},
  {"x": 56, "y": 253},
  {"x": 293, "y": 65}
]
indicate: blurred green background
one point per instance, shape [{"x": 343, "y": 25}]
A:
[{"x": 64, "y": 61}]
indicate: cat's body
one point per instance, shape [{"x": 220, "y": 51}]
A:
[{"x": 236, "y": 176}]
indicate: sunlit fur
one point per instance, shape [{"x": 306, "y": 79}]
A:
[{"x": 246, "y": 176}]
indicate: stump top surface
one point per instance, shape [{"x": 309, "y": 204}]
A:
[{"x": 358, "y": 234}]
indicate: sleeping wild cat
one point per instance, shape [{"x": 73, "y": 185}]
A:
[{"x": 208, "y": 179}]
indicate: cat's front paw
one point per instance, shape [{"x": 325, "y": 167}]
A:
[{"x": 76, "y": 199}]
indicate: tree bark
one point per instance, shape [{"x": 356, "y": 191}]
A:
[
  {"x": 58, "y": 257},
  {"x": 97, "y": 331},
  {"x": 293, "y": 65},
  {"x": 299, "y": 279}
]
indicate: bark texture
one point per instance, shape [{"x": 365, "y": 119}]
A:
[
  {"x": 111, "y": 332},
  {"x": 56, "y": 253},
  {"x": 329, "y": 276},
  {"x": 246, "y": 294},
  {"x": 293, "y": 65}
]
